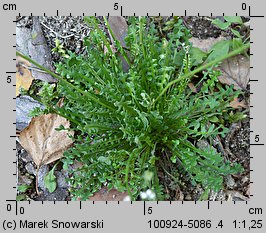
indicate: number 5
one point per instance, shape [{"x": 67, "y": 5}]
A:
[{"x": 116, "y": 6}]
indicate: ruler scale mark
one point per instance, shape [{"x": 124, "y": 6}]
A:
[
  {"x": 144, "y": 206},
  {"x": 16, "y": 208}
]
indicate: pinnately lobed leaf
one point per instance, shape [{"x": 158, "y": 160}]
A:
[{"x": 130, "y": 124}]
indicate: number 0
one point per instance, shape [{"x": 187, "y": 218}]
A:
[
  {"x": 8, "y": 207},
  {"x": 116, "y": 6},
  {"x": 244, "y": 6}
]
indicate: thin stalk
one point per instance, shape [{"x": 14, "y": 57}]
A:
[
  {"x": 36, "y": 182},
  {"x": 141, "y": 37},
  {"x": 90, "y": 96},
  {"x": 203, "y": 67}
]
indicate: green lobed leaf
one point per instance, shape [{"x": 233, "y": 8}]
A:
[
  {"x": 23, "y": 188},
  {"x": 218, "y": 50},
  {"x": 50, "y": 181},
  {"x": 233, "y": 19},
  {"x": 222, "y": 25}
]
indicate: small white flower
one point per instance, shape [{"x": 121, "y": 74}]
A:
[
  {"x": 143, "y": 195},
  {"x": 127, "y": 198},
  {"x": 150, "y": 194}
]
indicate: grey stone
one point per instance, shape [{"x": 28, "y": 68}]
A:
[
  {"x": 204, "y": 144},
  {"x": 61, "y": 179},
  {"x": 33, "y": 44},
  {"x": 24, "y": 180},
  {"x": 188, "y": 197},
  {"x": 230, "y": 182},
  {"x": 119, "y": 27},
  {"x": 25, "y": 156},
  {"x": 24, "y": 104},
  {"x": 60, "y": 194},
  {"x": 40, "y": 52},
  {"x": 30, "y": 168},
  {"x": 23, "y": 35},
  {"x": 236, "y": 196}
]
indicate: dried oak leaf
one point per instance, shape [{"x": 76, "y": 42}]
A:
[
  {"x": 235, "y": 70},
  {"x": 42, "y": 141},
  {"x": 23, "y": 75}
]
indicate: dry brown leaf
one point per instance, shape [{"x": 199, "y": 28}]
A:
[
  {"x": 23, "y": 75},
  {"x": 235, "y": 70},
  {"x": 238, "y": 104},
  {"x": 192, "y": 87},
  {"x": 42, "y": 141},
  {"x": 111, "y": 195},
  {"x": 205, "y": 44}
]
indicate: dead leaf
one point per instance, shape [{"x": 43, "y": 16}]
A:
[
  {"x": 236, "y": 196},
  {"x": 111, "y": 195},
  {"x": 119, "y": 27},
  {"x": 238, "y": 104},
  {"x": 42, "y": 141},
  {"x": 192, "y": 87},
  {"x": 23, "y": 74},
  {"x": 235, "y": 70},
  {"x": 205, "y": 44}
]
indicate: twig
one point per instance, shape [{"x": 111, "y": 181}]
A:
[
  {"x": 32, "y": 68},
  {"x": 56, "y": 33},
  {"x": 36, "y": 182}
]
